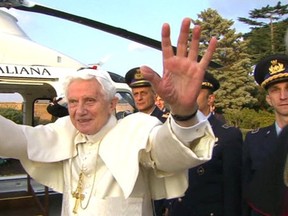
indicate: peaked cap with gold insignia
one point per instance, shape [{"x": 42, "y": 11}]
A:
[
  {"x": 210, "y": 82},
  {"x": 272, "y": 69},
  {"x": 135, "y": 79}
]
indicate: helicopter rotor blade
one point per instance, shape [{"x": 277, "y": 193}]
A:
[{"x": 32, "y": 7}]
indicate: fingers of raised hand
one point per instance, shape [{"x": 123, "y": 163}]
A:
[
  {"x": 194, "y": 45},
  {"x": 194, "y": 48},
  {"x": 209, "y": 53},
  {"x": 167, "y": 50},
  {"x": 183, "y": 37}
]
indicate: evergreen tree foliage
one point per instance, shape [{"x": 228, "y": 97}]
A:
[
  {"x": 272, "y": 13},
  {"x": 248, "y": 119},
  {"x": 236, "y": 82},
  {"x": 268, "y": 26}
]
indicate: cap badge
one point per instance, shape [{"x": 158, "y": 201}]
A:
[
  {"x": 276, "y": 67},
  {"x": 207, "y": 84},
  {"x": 138, "y": 75}
]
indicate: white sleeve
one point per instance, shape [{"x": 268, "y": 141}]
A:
[
  {"x": 13, "y": 142},
  {"x": 188, "y": 134},
  {"x": 175, "y": 148},
  {"x": 45, "y": 143}
]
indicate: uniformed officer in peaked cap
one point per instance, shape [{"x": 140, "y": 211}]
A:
[
  {"x": 215, "y": 186},
  {"x": 212, "y": 84},
  {"x": 143, "y": 94},
  {"x": 271, "y": 73}
]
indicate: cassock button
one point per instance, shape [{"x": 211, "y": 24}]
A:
[{"x": 200, "y": 170}]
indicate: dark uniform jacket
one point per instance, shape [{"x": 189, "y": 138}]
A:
[
  {"x": 159, "y": 114},
  {"x": 158, "y": 205},
  {"x": 259, "y": 145},
  {"x": 267, "y": 193},
  {"x": 215, "y": 187}
]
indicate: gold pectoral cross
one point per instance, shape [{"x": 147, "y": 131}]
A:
[{"x": 77, "y": 194}]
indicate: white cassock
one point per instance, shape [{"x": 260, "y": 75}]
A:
[{"x": 123, "y": 166}]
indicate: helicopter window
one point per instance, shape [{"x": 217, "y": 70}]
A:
[
  {"x": 11, "y": 107},
  {"x": 41, "y": 115},
  {"x": 125, "y": 104}
]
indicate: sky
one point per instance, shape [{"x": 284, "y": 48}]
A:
[{"x": 117, "y": 54}]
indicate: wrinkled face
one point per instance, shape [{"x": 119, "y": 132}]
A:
[
  {"x": 277, "y": 97},
  {"x": 144, "y": 99},
  {"x": 205, "y": 100},
  {"x": 89, "y": 110}
]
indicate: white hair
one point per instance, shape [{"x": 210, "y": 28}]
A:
[{"x": 103, "y": 77}]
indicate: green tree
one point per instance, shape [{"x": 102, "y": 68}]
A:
[
  {"x": 12, "y": 114},
  {"x": 235, "y": 78},
  {"x": 249, "y": 119},
  {"x": 266, "y": 37}
]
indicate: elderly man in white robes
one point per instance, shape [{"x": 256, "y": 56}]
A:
[{"x": 104, "y": 167}]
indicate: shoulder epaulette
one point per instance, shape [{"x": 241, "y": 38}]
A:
[
  {"x": 165, "y": 115},
  {"x": 256, "y": 130},
  {"x": 226, "y": 126}
]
